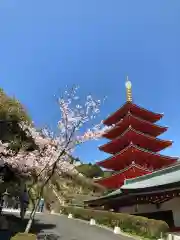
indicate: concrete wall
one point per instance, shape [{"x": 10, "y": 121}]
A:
[{"x": 173, "y": 204}]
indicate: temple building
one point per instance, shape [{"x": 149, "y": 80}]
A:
[
  {"x": 145, "y": 182},
  {"x": 134, "y": 143}
]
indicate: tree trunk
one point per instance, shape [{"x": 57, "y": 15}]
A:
[
  {"x": 32, "y": 215},
  {"x": 33, "y": 212},
  {"x": 31, "y": 218}
]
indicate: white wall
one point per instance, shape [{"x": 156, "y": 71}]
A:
[{"x": 173, "y": 204}]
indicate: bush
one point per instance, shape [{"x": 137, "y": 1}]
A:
[
  {"x": 24, "y": 236},
  {"x": 128, "y": 223}
]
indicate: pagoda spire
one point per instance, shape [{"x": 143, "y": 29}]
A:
[
  {"x": 128, "y": 90},
  {"x": 133, "y": 143}
]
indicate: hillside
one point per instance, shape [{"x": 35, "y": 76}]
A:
[
  {"x": 71, "y": 189},
  {"x": 11, "y": 114},
  {"x": 93, "y": 171}
]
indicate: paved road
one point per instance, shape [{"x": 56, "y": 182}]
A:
[
  {"x": 66, "y": 229},
  {"x": 69, "y": 229}
]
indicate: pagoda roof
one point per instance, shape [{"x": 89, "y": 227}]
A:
[
  {"x": 134, "y": 109},
  {"x": 145, "y": 196},
  {"x": 137, "y": 123},
  {"x": 138, "y": 155},
  {"x": 140, "y": 139},
  {"x": 158, "y": 182},
  {"x": 158, "y": 178},
  {"x": 117, "y": 180}
]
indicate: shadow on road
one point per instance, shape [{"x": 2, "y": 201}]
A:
[
  {"x": 17, "y": 225},
  {"x": 48, "y": 237}
]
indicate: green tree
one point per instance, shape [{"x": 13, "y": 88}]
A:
[
  {"x": 11, "y": 114},
  {"x": 90, "y": 170},
  {"x": 108, "y": 173},
  {"x": 11, "y": 109}
]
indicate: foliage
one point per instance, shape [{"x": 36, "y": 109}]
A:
[
  {"x": 11, "y": 109},
  {"x": 11, "y": 113},
  {"x": 52, "y": 154},
  {"x": 93, "y": 171},
  {"x": 71, "y": 189},
  {"x": 108, "y": 173},
  {"x": 133, "y": 224},
  {"x": 74, "y": 181},
  {"x": 90, "y": 170},
  {"x": 24, "y": 236},
  {"x": 55, "y": 150},
  {"x": 74, "y": 160}
]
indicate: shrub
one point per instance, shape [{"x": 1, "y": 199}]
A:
[
  {"x": 129, "y": 223},
  {"x": 24, "y": 236}
]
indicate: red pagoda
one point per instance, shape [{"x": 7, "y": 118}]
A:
[{"x": 134, "y": 143}]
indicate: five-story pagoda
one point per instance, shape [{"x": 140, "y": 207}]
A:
[{"x": 134, "y": 143}]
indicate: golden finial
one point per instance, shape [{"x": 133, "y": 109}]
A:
[{"x": 128, "y": 90}]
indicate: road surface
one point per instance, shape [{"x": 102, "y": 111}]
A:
[
  {"x": 66, "y": 229},
  {"x": 70, "y": 229}
]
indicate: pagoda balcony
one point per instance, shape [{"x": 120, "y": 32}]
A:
[
  {"x": 136, "y": 123},
  {"x": 135, "y": 110},
  {"x": 140, "y": 156},
  {"x": 140, "y": 139},
  {"x": 117, "y": 180}
]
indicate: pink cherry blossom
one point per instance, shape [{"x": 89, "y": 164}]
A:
[{"x": 56, "y": 148}]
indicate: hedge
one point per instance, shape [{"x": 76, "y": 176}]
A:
[
  {"x": 137, "y": 225},
  {"x": 24, "y": 236}
]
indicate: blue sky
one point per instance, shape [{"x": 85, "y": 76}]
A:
[{"x": 45, "y": 45}]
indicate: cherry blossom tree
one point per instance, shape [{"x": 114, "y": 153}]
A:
[{"x": 53, "y": 150}]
